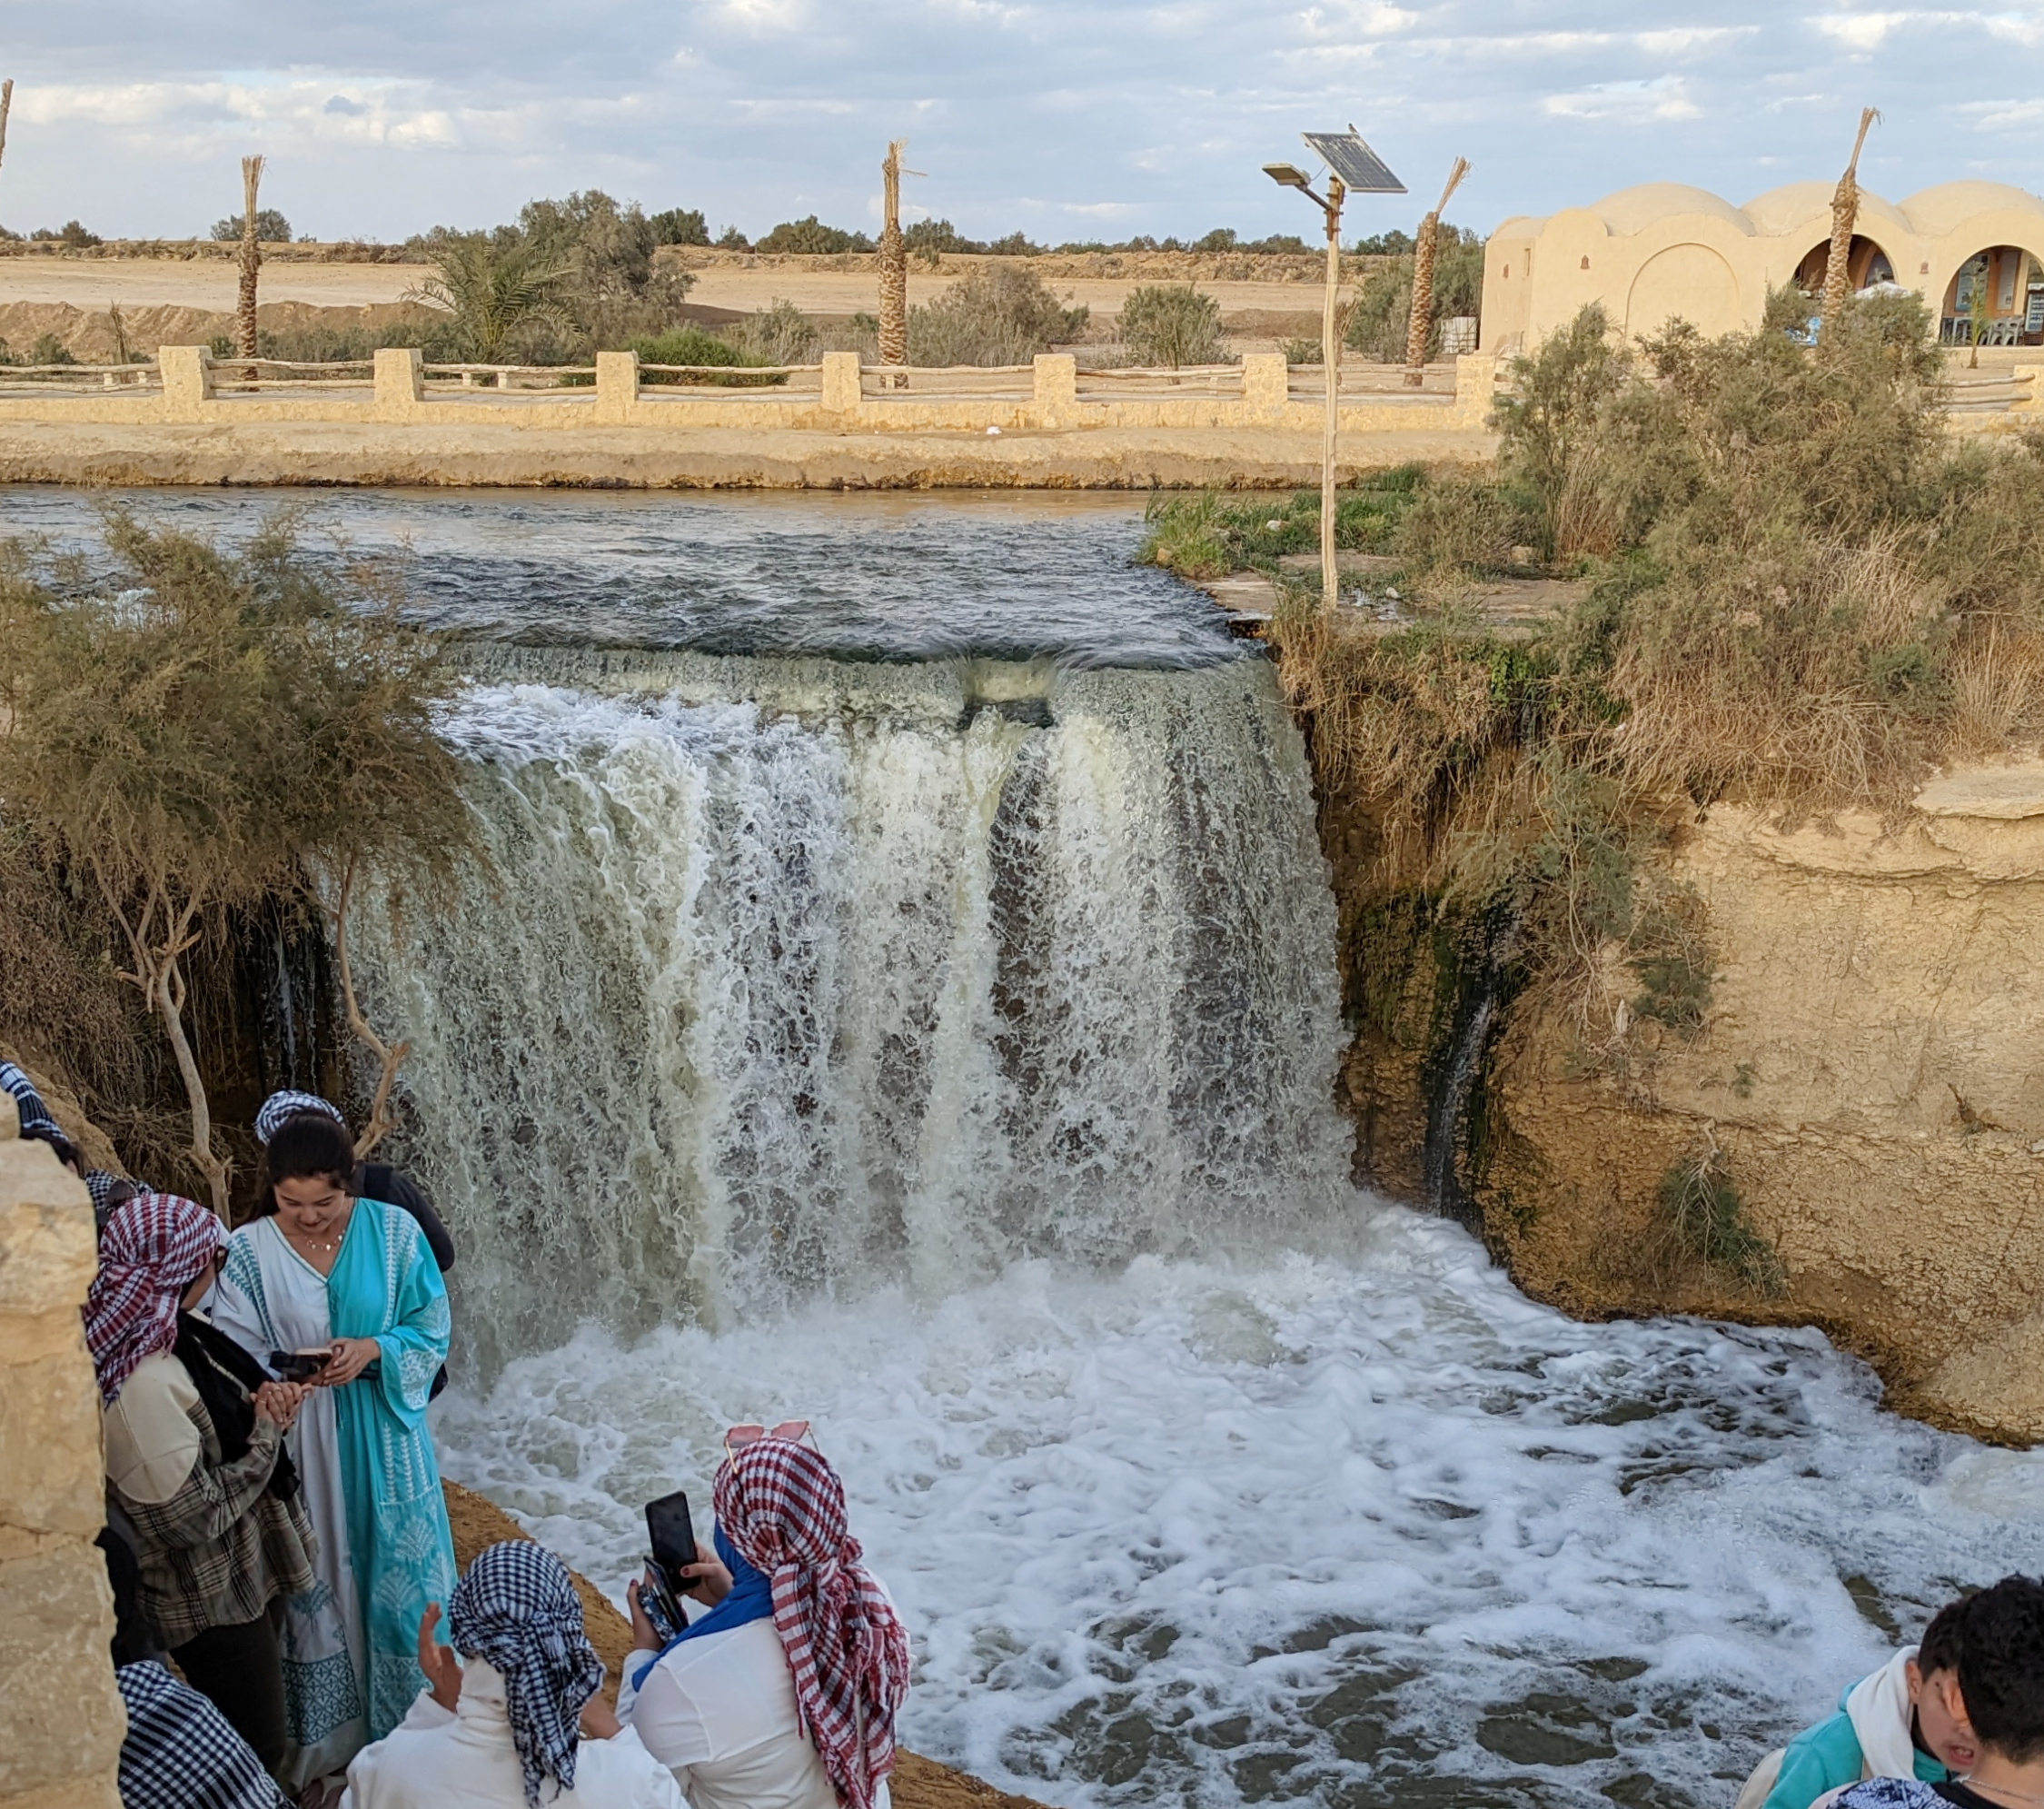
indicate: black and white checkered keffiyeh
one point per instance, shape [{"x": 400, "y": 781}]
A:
[
  {"x": 517, "y": 1611},
  {"x": 280, "y": 1107},
  {"x": 180, "y": 1753}
]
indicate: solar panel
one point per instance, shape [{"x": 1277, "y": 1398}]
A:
[{"x": 1362, "y": 171}]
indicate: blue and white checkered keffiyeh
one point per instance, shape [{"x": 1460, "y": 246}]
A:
[
  {"x": 179, "y": 1753},
  {"x": 517, "y": 1611},
  {"x": 280, "y": 1108}
]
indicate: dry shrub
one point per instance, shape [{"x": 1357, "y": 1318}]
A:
[{"x": 1998, "y": 688}]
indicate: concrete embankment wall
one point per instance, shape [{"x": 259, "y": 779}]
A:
[
  {"x": 61, "y": 1718},
  {"x": 1868, "y": 1070}
]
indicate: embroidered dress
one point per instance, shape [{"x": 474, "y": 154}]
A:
[{"x": 366, "y": 1459}]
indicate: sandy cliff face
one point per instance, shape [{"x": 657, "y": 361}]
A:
[{"x": 1868, "y": 1070}]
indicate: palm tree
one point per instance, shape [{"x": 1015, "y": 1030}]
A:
[
  {"x": 251, "y": 261},
  {"x": 495, "y": 286},
  {"x": 1419, "y": 325},
  {"x": 1845, "y": 215}
]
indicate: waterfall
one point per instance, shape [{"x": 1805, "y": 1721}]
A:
[{"x": 785, "y": 977}]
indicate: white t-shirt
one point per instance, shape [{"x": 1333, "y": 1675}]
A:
[
  {"x": 720, "y": 1711},
  {"x": 435, "y": 1759}
]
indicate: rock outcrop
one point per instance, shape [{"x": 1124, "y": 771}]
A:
[
  {"x": 61, "y": 1718},
  {"x": 1866, "y": 1073}
]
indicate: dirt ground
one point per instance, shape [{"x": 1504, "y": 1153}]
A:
[
  {"x": 1258, "y": 310},
  {"x": 918, "y": 1783}
]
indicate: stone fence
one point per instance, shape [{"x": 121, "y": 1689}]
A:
[
  {"x": 1257, "y": 396},
  {"x": 61, "y": 1718}
]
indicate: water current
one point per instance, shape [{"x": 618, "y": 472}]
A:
[{"x": 902, "y": 993}]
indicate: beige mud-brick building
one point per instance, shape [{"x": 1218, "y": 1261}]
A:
[{"x": 1974, "y": 250}]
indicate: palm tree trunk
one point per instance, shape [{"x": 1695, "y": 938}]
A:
[
  {"x": 251, "y": 261},
  {"x": 1845, "y": 215},
  {"x": 6, "y": 102},
  {"x": 1419, "y": 325},
  {"x": 894, "y": 265}
]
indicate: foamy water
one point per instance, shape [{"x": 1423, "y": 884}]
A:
[{"x": 1354, "y": 1530}]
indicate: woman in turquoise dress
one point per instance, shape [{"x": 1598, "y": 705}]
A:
[{"x": 323, "y": 1270}]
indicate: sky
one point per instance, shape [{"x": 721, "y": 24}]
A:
[{"x": 1066, "y": 119}]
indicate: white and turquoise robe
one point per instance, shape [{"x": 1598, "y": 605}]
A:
[{"x": 350, "y": 1650}]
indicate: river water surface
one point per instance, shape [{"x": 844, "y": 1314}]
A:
[{"x": 901, "y": 993}]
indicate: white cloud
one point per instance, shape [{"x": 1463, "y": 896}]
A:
[
  {"x": 1663, "y": 98},
  {"x": 739, "y": 106}
]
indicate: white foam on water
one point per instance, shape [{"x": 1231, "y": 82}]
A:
[
  {"x": 945, "y": 1053},
  {"x": 1351, "y": 1530}
]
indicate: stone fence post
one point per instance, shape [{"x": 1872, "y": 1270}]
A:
[
  {"x": 1266, "y": 382},
  {"x": 1476, "y": 386},
  {"x": 617, "y": 385},
  {"x": 401, "y": 382},
  {"x": 1057, "y": 389},
  {"x": 187, "y": 373},
  {"x": 61, "y": 1718},
  {"x": 841, "y": 387}
]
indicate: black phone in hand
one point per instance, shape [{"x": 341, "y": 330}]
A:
[{"x": 671, "y": 1533}]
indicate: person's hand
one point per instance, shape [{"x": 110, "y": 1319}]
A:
[
  {"x": 707, "y": 1580},
  {"x": 443, "y": 1669},
  {"x": 350, "y": 1357},
  {"x": 600, "y": 1720},
  {"x": 643, "y": 1637},
  {"x": 278, "y": 1402}
]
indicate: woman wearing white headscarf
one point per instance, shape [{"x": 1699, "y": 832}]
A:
[{"x": 500, "y": 1729}]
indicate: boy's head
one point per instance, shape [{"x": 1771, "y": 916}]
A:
[
  {"x": 1942, "y": 1728},
  {"x": 2001, "y": 1669}
]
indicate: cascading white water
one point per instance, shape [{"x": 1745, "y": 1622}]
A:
[
  {"x": 791, "y": 976},
  {"x": 945, "y": 1053}
]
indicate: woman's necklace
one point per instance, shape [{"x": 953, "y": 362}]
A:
[{"x": 318, "y": 1249}]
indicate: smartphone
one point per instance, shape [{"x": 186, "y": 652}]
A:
[
  {"x": 672, "y": 1535},
  {"x": 300, "y": 1366}
]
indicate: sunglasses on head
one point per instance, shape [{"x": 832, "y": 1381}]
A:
[{"x": 796, "y": 1431}]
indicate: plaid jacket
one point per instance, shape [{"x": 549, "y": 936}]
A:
[{"x": 220, "y": 1550}]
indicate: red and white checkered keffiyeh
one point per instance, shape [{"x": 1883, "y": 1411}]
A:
[
  {"x": 154, "y": 1247},
  {"x": 783, "y": 1509}
]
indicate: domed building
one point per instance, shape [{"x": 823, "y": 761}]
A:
[{"x": 1664, "y": 251}]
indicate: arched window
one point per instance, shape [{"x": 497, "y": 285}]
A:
[
  {"x": 1995, "y": 298},
  {"x": 1865, "y": 263}
]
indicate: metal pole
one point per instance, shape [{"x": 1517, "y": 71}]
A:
[{"x": 1331, "y": 362}]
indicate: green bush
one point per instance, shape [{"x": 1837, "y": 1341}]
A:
[
  {"x": 692, "y": 345},
  {"x": 780, "y": 334},
  {"x": 1707, "y": 1220},
  {"x": 999, "y": 315},
  {"x": 1383, "y": 306},
  {"x": 270, "y": 227},
  {"x": 1173, "y": 325},
  {"x": 812, "y": 237},
  {"x": 678, "y": 226}
]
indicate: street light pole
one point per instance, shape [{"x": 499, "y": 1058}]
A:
[
  {"x": 1353, "y": 168},
  {"x": 1331, "y": 362}
]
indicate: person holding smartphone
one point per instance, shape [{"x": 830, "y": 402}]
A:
[
  {"x": 784, "y": 1695},
  {"x": 196, "y": 1461},
  {"x": 319, "y": 1268}
]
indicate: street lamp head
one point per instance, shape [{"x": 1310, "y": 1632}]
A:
[{"x": 1287, "y": 176}]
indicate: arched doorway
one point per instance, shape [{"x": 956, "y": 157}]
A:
[
  {"x": 1995, "y": 297},
  {"x": 1865, "y": 263},
  {"x": 1689, "y": 283}
]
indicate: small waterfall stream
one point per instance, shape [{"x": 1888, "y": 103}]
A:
[{"x": 790, "y": 976}]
